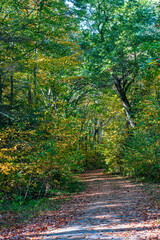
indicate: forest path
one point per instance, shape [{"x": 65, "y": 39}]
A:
[{"x": 111, "y": 207}]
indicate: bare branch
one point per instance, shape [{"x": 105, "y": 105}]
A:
[{"x": 6, "y": 115}]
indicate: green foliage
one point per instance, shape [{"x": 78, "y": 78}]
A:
[
  {"x": 135, "y": 152},
  {"x": 121, "y": 48},
  {"x": 143, "y": 149},
  {"x": 31, "y": 168},
  {"x": 21, "y": 210},
  {"x": 39, "y": 153},
  {"x": 76, "y": 97}
]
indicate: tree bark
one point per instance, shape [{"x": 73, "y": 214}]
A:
[
  {"x": 126, "y": 104},
  {"x": 35, "y": 82},
  {"x": 1, "y": 89},
  {"x": 11, "y": 96}
]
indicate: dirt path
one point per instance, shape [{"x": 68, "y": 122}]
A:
[{"x": 110, "y": 208}]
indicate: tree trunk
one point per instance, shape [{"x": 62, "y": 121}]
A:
[
  {"x": 35, "y": 83},
  {"x": 29, "y": 100},
  {"x": 1, "y": 89},
  {"x": 126, "y": 104},
  {"x": 11, "y": 96}
]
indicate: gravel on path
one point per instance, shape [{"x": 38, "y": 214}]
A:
[{"x": 110, "y": 208}]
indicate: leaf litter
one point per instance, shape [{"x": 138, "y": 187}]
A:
[{"x": 111, "y": 207}]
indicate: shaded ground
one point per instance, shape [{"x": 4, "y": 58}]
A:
[{"x": 110, "y": 208}]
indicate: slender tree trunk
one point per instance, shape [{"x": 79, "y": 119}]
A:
[
  {"x": 49, "y": 95},
  {"x": 29, "y": 96},
  {"x": 12, "y": 93},
  {"x": 98, "y": 135},
  {"x": 1, "y": 89},
  {"x": 98, "y": 142},
  {"x": 86, "y": 145},
  {"x": 86, "y": 148},
  {"x": 54, "y": 94},
  {"x": 29, "y": 92},
  {"x": 35, "y": 83},
  {"x": 29, "y": 100}
]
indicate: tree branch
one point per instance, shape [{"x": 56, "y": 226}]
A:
[{"x": 6, "y": 115}]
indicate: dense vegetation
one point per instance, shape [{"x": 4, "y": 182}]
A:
[{"x": 79, "y": 89}]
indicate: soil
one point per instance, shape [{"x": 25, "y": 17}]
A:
[{"x": 111, "y": 207}]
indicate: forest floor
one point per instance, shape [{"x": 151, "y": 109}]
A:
[{"x": 111, "y": 207}]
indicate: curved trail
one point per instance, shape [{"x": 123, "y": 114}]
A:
[
  {"x": 109, "y": 208},
  {"x": 112, "y": 208}
]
